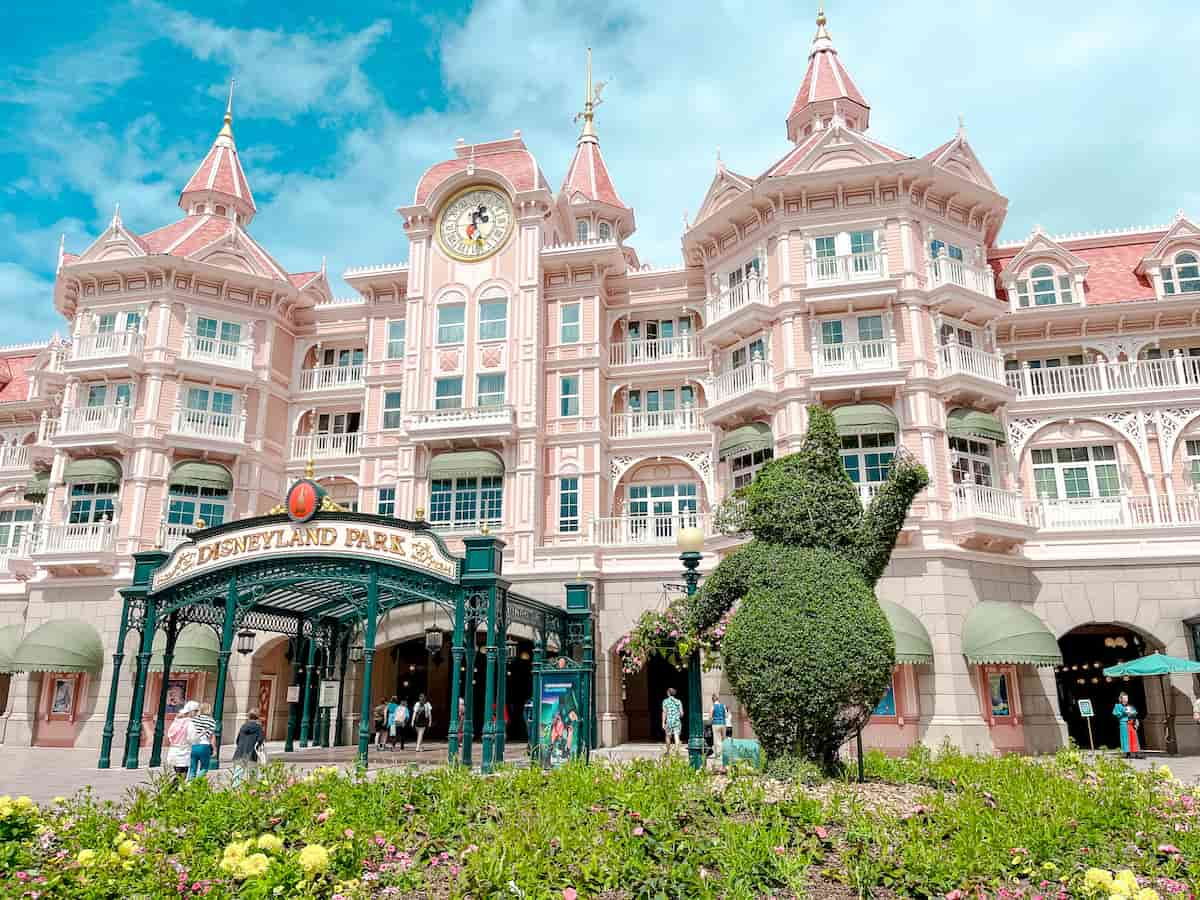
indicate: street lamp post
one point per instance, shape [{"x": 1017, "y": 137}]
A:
[{"x": 690, "y": 541}]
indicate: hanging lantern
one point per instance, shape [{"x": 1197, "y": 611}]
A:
[
  {"x": 245, "y": 641},
  {"x": 510, "y": 648},
  {"x": 433, "y": 639},
  {"x": 356, "y": 653}
]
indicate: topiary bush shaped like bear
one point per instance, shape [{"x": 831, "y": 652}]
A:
[{"x": 808, "y": 650}]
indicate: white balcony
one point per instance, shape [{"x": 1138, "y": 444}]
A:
[
  {"x": 209, "y": 426},
  {"x": 332, "y": 378},
  {"x": 75, "y": 540},
  {"x": 94, "y": 422},
  {"x": 1103, "y": 379},
  {"x": 958, "y": 361},
  {"x": 14, "y": 456},
  {"x": 733, "y": 298},
  {"x": 106, "y": 345},
  {"x": 854, "y": 356},
  {"x": 944, "y": 270},
  {"x": 237, "y": 355},
  {"x": 468, "y": 526},
  {"x": 977, "y": 501},
  {"x": 325, "y": 446},
  {"x": 657, "y": 423},
  {"x": 852, "y": 267},
  {"x": 174, "y": 535},
  {"x": 684, "y": 348},
  {"x": 738, "y": 382},
  {"x": 647, "y": 530},
  {"x": 465, "y": 422},
  {"x": 867, "y": 491}
]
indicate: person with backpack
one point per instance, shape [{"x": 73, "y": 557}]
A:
[
  {"x": 392, "y": 708},
  {"x": 402, "y": 720},
  {"x": 422, "y": 718},
  {"x": 249, "y": 751},
  {"x": 379, "y": 720}
]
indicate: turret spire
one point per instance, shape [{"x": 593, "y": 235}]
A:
[
  {"x": 227, "y": 128},
  {"x": 587, "y": 176},
  {"x": 821, "y": 32},
  {"x": 827, "y": 95},
  {"x": 591, "y": 99},
  {"x": 219, "y": 185}
]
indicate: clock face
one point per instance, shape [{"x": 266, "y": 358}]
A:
[{"x": 475, "y": 223}]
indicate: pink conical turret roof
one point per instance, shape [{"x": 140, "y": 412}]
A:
[
  {"x": 587, "y": 174},
  {"x": 827, "y": 90},
  {"x": 220, "y": 179}
]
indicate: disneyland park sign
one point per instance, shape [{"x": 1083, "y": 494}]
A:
[{"x": 307, "y": 540}]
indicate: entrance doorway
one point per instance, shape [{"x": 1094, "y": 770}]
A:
[
  {"x": 644, "y": 694},
  {"x": 1087, "y": 651}
]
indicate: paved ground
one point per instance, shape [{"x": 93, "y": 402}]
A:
[{"x": 44, "y": 774}]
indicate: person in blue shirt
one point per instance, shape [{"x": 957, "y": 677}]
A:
[
  {"x": 392, "y": 727},
  {"x": 720, "y": 721}
]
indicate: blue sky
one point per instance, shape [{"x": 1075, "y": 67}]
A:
[{"x": 1083, "y": 112}]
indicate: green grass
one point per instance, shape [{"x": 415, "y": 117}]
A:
[{"x": 1009, "y": 827}]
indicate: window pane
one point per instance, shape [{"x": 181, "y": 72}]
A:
[
  {"x": 441, "y": 492},
  {"x": 106, "y": 323},
  {"x": 396, "y": 333},
  {"x": 448, "y": 393},
  {"x": 490, "y": 390},
  {"x": 862, "y": 242},
  {"x": 569, "y": 393},
  {"x": 570, "y": 324},
  {"x": 1108, "y": 480},
  {"x": 386, "y": 505},
  {"x": 605, "y": 231},
  {"x": 825, "y": 246},
  {"x": 568, "y": 504},
  {"x": 451, "y": 324},
  {"x": 493, "y": 320},
  {"x": 206, "y": 328},
  {"x": 222, "y": 402},
  {"x": 1045, "y": 484},
  {"x": 1075, "y": 482},
  {"x": 581, "y": 230},
  {"x": 231, "y": 332},
  {"x": 831, "y": 332},
  {"x": 491, "y": 499},
  {"x": 392, "y": 401},
  {"x": 870, "y": 328},
  {"x": 466, "y": 498}
]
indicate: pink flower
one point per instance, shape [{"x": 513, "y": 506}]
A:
[
  {"x": 955, "y": 895},
  {"x": 408, "y": 807},
  {"x": 639, "y": 831},
  {"x": 821, "y": 832},
  {"x": 635, "y": 815},
  {"x": 323, "y": 816},
  {"x": 781, "y": 850},
  {"x": 570, "y": 894},
  {"x": 348, "y": 833}
]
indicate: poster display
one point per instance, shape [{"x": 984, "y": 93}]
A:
[
  {"x": 329, "y": 693},
  {"x": 177, "y": 694},
  {"x": 559, "y": 722}
]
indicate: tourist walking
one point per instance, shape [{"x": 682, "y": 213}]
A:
[
  {"x": 672, "y": 719},
  {"x": 422, "y": 718},
  {"x": 250, "y": 742},
  {"x": 179, "y": 739},
  {"x": 392, "y": 707},
  {"x": 1127, "y": 720},
  {"x": 203, "y": 734},
  {"x": 402, "y": 719},
  {"x": 719, "y": 718},
  {"x": 379, "y": 716}
]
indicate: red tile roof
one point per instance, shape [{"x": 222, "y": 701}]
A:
[
  {"x": 1111, "y": 275},
  {"x": 300, "y": 279},
  {"x": 588, "y": 175},
  {"x": 221, "y": 172},
  {"x": 193, "y": 233},
  {"x": 826, "y": 79},
  {"x": 513, "y": 162}
]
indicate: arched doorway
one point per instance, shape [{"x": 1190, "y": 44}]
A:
[
  {"x": 644, "y": 694},
  {"x": 1087, "y": 651}
]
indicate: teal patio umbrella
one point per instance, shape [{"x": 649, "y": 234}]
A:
[{"x": 1161, "y": 665}]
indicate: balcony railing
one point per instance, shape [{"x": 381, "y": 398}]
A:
[
  {"x": 94, "y": 537},
  {"x": 234, "y": 354},
  {"x": 83, "y": 420},
  {"x": 958, "y": 359},
  {"x": 980, "y": 501},
  {"x": 325, "y": 446},
  {"x": 1102, "y": 378},
  {"x": 854, "y": 356},
  {"x": 645, "y": 531},
  {"x": 944, "y": 270},
  {"x": 848, "y": 268},
  {"x": 630, "y": 353},
  {"x": 331, "y": 378},
  {"x": 469, "y": 415},
  {"x": 734, "y": 297},
  {"x": 739, "y": 381},
  {"x": 467, "y": 526},
  {"x": 210, "y": 425},
  {"x": 106, "y": 344},
  {"x": 14, "y": 456},
  {"x": 667, "y": 421},
  {"x": 867, "y": 491},
  {"x": 174, "y": 535}
]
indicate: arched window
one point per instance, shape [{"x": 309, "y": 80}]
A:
[
  {"x": 581, "y": 230},
  {"x": 197, "y": 492},
  {"x": 605, "y": 231},
  {"x": 1184, "y": 276},
  {"x": 1044, "y": 288}
]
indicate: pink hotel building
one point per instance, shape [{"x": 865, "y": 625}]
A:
[{"x": 525, "y": 371}]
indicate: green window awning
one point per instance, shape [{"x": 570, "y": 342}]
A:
[
  {"x": 466, "y": 464},
  {"x": 10, "y": 639},
  {"x": 194, "y": 473},
  {"x": 968, "y": 423},
  {"x": 37, "y": 487},
  {"x": 912, "y": 640},
  {"x": 93, "y": 470},
  {"x": 747, "y": 439},
  {"x": 196, "y": 650},
  {"x": 866, "y": 418},
  {"x": 60, "y": 645},
  {"x": 999, "y": 632}
]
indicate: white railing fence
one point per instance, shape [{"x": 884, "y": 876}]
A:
[
  {"x": 667, "y": 421},
  {"x": 851, "y": 267},
  {"x": 211, "y": 425},
  {"x": 1106, "y": 377},
  {"x": 981, "y": 501},
  {"x": 738, "y": 381},
  {"x": 323, "y": 446},
  {"x": 467, "y": 415},
  {"x": 958, "y": 359},
  {"x": 734, "y": 297},
  {"x": 683, "y": 347},
  {"x": 14, "y": 456},
  {"x": 236, "y": 354},
  {"x": 855, "y": 355},
  {"x": 92, "y": 537},
  {"x": 104, "y": 344},
  {"x": 95, "y": 420},
  {"x": 946, "y": 270},
  {"x": 329, "y": 378},
  {"x": 645, "y": 530}
]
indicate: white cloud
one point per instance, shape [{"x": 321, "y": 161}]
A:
[{"x": 25, "y": 297}]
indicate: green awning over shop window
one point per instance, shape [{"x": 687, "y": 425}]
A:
[
  {"x": 865, "y": 417},
  {"x": 998, "y": 632},
  {"x": 37, "y": 487},
  {"x": 466, "y": 464},
  {"x": 969, "y": 423},
  {"x": 10, "y": 639},
  {"x": 196, "y": 650},
  {"x": 912, "y": 640},
  {"x": 93, "y": 470},
  {"x": 747, "y": 439},
  {"x": 194, "y": 473},
  {"x": 60, "y": 645}
]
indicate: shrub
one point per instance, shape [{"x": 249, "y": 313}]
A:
[{"x": 809, "y": 652}]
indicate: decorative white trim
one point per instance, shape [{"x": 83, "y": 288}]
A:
[{"x": 1129, "y": 423}]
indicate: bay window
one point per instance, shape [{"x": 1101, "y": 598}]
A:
[
  {"x": 658, "y": 508},
  {"x": 205, "y": 405},
  {"x": 13, "y": 525},
  {"x": 751, "y": 351},
  {"x": 188, "y": 504},
  {"x": 218, "y": 337},
  {"x": 605, "y": 231},
  {"x": 569, "y": 395},
  {"x": 569, "y": 326},
  {"x": 115, "y": 394},
  {"x": 91, "y": 502},
  {"x": 392, "y": 412},
  {"x": 343, "y": 357},
  {"x": 581, "y": 230},
  {"x": 466, "y": 502},
  {"x": 971, "y": 461},
  {"x": 1076, "y": 472},
  {"x": 868, "y": 457},
  {"x": 744, "y": 466}
]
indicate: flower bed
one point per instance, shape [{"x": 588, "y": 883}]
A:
[{"x": 954, "y": 826}]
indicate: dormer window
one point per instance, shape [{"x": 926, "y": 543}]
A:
[
  {"x": 1183, "y": 276},
  {"x": 221, "y": 211},
  {"x": 581, "y": 230},
  {"x": 1042, "y": 287},
  {"x": 605, "y": 231}
]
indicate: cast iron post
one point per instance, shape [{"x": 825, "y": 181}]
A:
[
  {"x": 695, "y": 710},
  {"x": 231, "y": 597},
  {"x": 160, "y": 718},
  {"x": 369, "y": 626},
  {"x": 457, "y": 654},
  {"x": 133, "y": 734},
  {"x": 110, "y": 715}
]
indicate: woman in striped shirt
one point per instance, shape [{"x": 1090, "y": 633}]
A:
[{"x": 202, "y": 730}]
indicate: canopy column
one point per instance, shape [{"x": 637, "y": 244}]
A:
[
  {"x": 370, "y": 623},
  {"x": 133, "y": 733},
  {"x": 306, "y": 695},
  {"x": 160, "y": 716},
  {"x": 297, "y": 674},
  {"x": 484, "y": 562},
  {"x": 110, "y": 713},
  {"x": 457, "y": 658},
  {"x": 347, "y": 636},
  {"x": 227, "y": 624}
]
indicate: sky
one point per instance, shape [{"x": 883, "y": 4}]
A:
[{"x": 1083, "y": 113}]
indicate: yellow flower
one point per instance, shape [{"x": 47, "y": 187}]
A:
[
  {"x": 255, "y": 865},
  {"x": 1098, "y": 879},
  {"x": 57, "y": 800},
  {"x": 1165, "y": 771},
  {"x": 313, "y": 859},
  {"x": 270, "y": 842},
  {"x": 24, "y": 803},
  {"x": 1125, "y": 883},
  {"x": 127, "y": 848},
  {"x": 86, "y": 857},
  {"x": 1146, "y": 894}
]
